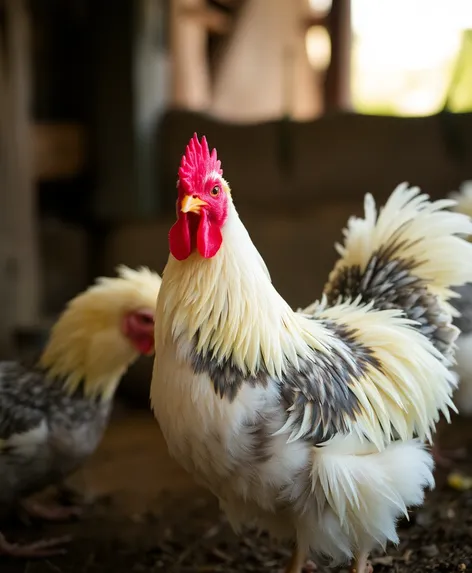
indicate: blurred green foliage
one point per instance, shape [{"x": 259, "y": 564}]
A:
[
  {"x": 455, "y": 93},
  {"x": 459, "y": 98}
]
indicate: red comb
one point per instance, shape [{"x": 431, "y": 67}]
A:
[{"x": 197, "y": 162}]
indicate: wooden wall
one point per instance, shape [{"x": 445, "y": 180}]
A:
[
  {"x": 297, "y": 183},
  {"x": 20, "y": 286}
]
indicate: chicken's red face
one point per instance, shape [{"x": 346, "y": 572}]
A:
[
  {"x": 202, "y": 204},
  {"x": 138, "y": 327}
]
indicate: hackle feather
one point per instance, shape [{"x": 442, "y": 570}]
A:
[{"x": 86, "y": 345}]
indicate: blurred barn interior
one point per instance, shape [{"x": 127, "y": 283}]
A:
[
  {"x": 310, "y": 103},
  {"x": 97, "y": 107}
]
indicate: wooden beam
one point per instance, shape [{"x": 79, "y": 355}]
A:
[
  {"x": 214, "y": 20},
  {"x": 128, "y": 92},
  {"x": 229, "y": 3},
  {"x": 191, "y": 80},
  {"x": 20, "y": 285},
  {"x": 338, "y": 76},
  {"x": 312, "y": 20}
]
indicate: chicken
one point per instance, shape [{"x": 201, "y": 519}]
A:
[
  {"x": 310, "y": 425},
  {"x": 52, "y": 417},
  {"x": 463, "y": 320},
  {"x": 463, "y": 304},
  {"x": 463, "y": 368}
]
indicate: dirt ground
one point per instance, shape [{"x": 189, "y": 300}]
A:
[{"x": 143, "y": 514}]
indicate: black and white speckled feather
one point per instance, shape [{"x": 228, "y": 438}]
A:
[
  {"x": 45, "y": 432},
  {"x": 317, "y": 392},
  {"x": 463, "y": 366},
  {"x": 463, "y": 304},
  {"x": 391, "y": 283},
  {"x": 389, "y": 270}
]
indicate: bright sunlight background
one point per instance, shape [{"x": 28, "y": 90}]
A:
[{"x": 407, "y": 53}]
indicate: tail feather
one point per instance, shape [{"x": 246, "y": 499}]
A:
[
  {"x": 409, "y": 256},
  {"x": 361, "y": 493}
]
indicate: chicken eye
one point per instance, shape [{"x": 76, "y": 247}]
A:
[
  {"x": 214, "y": 192},
  {"x": 145, "y": 319}
]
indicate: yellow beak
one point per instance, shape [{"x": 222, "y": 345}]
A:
[{"x": 191, "y": 204}]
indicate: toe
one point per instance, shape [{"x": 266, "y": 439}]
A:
[{"x": 38, "y": 549}]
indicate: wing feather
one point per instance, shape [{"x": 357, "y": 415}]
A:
[
  {"x": 380, "y": 378},
  {"x": 23, "y": 409}
]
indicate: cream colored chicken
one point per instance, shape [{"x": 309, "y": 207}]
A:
[{"x": 52, "y": 417}]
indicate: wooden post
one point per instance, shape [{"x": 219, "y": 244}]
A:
[
  {"x": 19, "y": 268},
  {"x": 191, "y": 87},
  {"x": 128, "y": 95},
  {"x": 338, "y": 76}
]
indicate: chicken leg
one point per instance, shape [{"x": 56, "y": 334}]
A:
[
  {"x": 296, "y": 561},
  {"x": 298, "y": 564},
  {"x": 54, "y": 512},
  {"x": 361, "y": 565},
  {"x": 37, "y": 549}
]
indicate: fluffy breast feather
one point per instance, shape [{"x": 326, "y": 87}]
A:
[{"x": 228, "y": 445}]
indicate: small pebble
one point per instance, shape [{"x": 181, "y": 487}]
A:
[
  {"x": 430, "y": 550},
  {"x": 447, "y": 513},
  {"x": 168, "y": 533},
  {"x": 424, "y": 518},
  {"x": 200, "y": 502},
  {"x": 459, "y": 482}
]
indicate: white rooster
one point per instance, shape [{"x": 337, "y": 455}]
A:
[{"x": 309, "y": 425}]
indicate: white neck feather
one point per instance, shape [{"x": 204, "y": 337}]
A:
[{"x": 229, "y": 302}]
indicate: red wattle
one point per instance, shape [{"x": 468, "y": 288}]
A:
[
  {"x": 144, "y": 344},
  {"x": 180, "y": 243},
  {"x": 209, "y": 237}
]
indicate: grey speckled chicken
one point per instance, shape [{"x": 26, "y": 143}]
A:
[
  {"x": 52, "y": 417},
  {"x": 463, "y": 395},
  {"x": 464, "y": 306}
]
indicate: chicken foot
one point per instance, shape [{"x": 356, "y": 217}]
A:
[
  {"x": 37, "y": 549},
  {"x": 361, "y": 564},
  {"x": 52, "y": 512},
  {"x": 298, "y": 563}
]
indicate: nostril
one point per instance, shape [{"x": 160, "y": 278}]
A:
[{"x": 194, "y": 196}]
